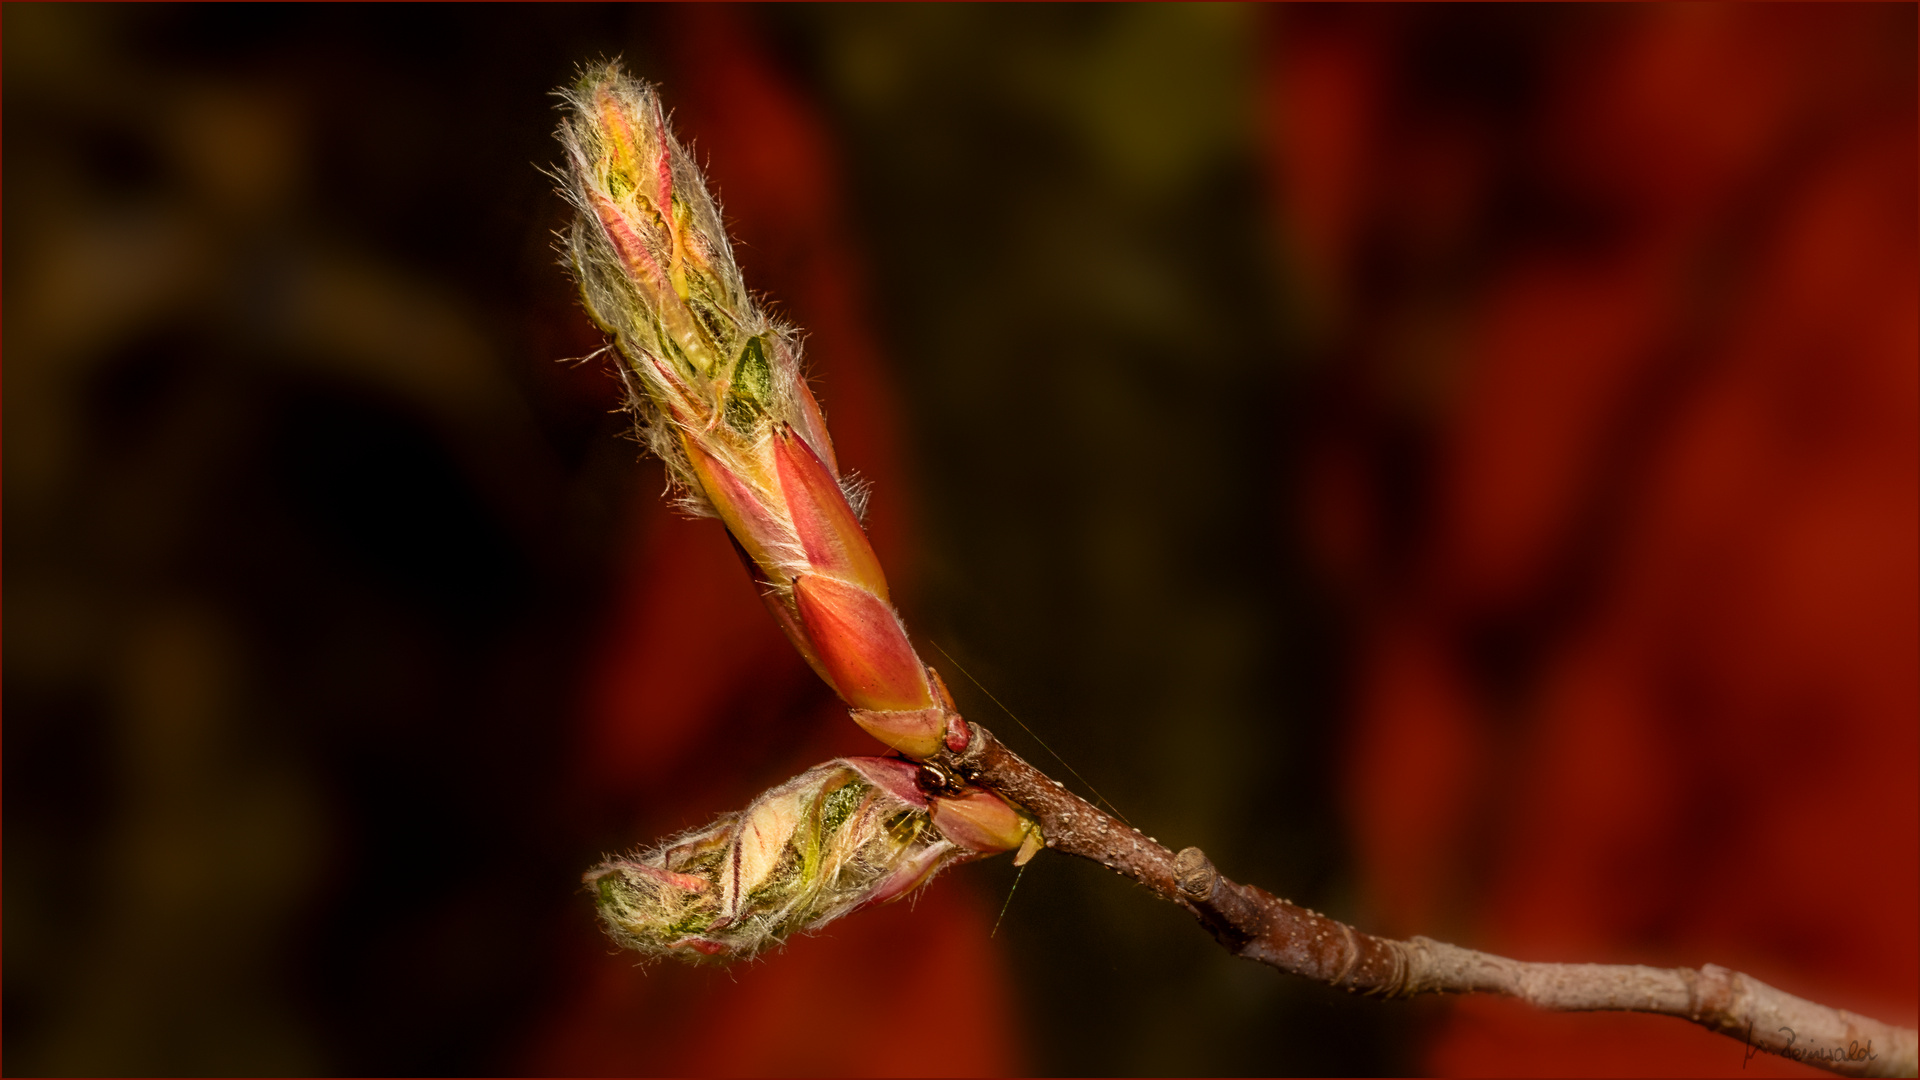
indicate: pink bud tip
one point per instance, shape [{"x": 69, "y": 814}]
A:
[
  {"x": 862, "y": 645},
  {"x": 683, "y": 882},
  {"x": 957, "y": 735}
]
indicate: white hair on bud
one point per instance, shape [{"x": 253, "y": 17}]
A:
[
  {"x": 701, "y": 358},
  {"x": 802, "y": 855}
]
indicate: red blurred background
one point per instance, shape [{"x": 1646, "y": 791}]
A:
[
  {"x": 1456, "y": 465},
  {"x": 1645, "y": 687}
]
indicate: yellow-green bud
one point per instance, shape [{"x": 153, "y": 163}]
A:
[{"x": 839, "y": 836}]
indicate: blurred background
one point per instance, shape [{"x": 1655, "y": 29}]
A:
[{"x": 1459, "y": 466}]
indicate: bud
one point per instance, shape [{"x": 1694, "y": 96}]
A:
[
  {"x": 706, "y": 368},
  {"x": 714, "y": 384},
  {"x": 852, "y": 832},
  {"x": 979, "y": 821}
]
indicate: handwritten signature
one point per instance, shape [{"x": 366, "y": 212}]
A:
[{"x": 1853, "y": 1051}]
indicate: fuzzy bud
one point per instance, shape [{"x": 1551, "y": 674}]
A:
[
  {"x": 839, "y": 836},
  {"x": 715, "y": 386}
]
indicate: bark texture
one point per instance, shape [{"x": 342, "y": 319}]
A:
[{"x": 1253, "y": 923}]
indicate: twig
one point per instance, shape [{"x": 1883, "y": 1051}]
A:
[
  {"x": 715, "y": 383},
  {"x": 1251, "y": 922}
]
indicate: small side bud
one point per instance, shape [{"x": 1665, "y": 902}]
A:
[
  {"x": 979, "y": 821},
  {"x": 852, "y": 832}
]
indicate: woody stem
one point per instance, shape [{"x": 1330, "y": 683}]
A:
[{"x": 1251, "y": 922}]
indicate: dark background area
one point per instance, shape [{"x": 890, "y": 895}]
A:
[{"x": 1459, "y": 466}]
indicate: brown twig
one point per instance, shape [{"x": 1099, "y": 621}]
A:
[{"x": 1251, "y": 922}]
